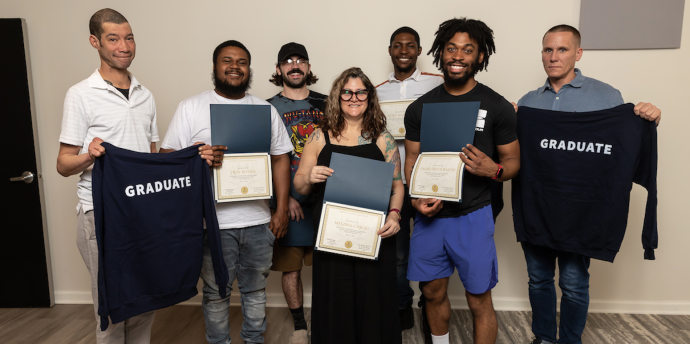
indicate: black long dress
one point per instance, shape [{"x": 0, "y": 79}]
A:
[{"x": 354, "y": 300}]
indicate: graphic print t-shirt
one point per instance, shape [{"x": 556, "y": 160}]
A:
[
  {"x": 495, "y": 126},
  {"x": 301, "y": 118}
]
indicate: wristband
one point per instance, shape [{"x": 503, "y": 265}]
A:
[
  {"x": 499, "y": 173},
  {"x": 397, "y": 211}
]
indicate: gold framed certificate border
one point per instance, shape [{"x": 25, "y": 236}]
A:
[
  {"x": 244, "y": 197},
  {"x": 398, "y": 133},
  {"x": 458, "y": 178},
  {"x": 376, "y": 244}
]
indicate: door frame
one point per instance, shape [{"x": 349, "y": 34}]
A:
[{"x": 37, "y": 156}]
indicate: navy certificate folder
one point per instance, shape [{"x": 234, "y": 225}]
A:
[
  {"x": 360, "y": 182},
  {"x": 300, "y": 233},
  {"x": 242, "y": 128},
  {"x": 448, "y": 127}
]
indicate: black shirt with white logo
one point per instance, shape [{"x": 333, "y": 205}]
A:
[{"x": 497, "y": 128}]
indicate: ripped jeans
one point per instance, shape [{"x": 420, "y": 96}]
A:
[{"x": 247, "y": 253}]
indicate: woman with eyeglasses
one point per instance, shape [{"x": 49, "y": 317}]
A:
[{"x": 353, "y": 300}]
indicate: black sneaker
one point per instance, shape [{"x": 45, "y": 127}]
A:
[
  {"x": 406, "y": 318},
  {"x": 426, "y": 329},
  {"x": 539, "y": 341}
]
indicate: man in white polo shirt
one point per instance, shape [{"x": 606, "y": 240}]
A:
[
  {"x": 247, "y": 229},
  {"x": 406, "y": 82},
  {"x": 112, "y": 106}
]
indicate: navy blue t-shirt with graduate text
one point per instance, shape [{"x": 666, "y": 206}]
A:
[
  {"x": 577, "y": 168},
  {"x": 152, "y": 213}
]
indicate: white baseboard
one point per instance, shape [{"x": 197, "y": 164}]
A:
[
  {"x": 73, "y": 298},
  {"x": 457, "y": 302}
]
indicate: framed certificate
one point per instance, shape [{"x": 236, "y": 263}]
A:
[
  {"x": 351, "y": 231},
  {"x": 243, "y": 177},
  {"x": 438, "y": 175},
  {"x": 395, "y": 116}
]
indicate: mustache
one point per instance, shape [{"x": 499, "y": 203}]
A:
[
  {"x": 456, "y": 63},
  {"x": 235, "y": 71},
  {"x": 295, "y": 71}
]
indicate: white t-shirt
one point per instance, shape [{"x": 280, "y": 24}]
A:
[
  {"x": 94, "y": 108},
  {"x": 192, "y": 123},
  {"x": 413, "y": 87}
]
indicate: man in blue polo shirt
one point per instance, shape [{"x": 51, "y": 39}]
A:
[{"x": 566, "y": 89}]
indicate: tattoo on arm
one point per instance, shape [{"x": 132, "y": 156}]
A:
[
  {"x": 315, "y": 135},
  {"x": 392, "y": 154},
  {"x": 390, "y": 142},
  {"x": 396, "y": 161}
]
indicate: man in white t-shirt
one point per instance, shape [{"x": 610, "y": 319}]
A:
[
  {"x": 406, "y": 82},
  {"x": 111, "y": 106},
  {"x": 248, "y": 229}
]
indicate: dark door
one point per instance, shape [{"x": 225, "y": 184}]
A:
[{"x": 24, "y": 267}]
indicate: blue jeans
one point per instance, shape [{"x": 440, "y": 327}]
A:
[
  {"x": 402, "y": 252},
  {"x": 247, "y": 253},
  {"x": 574, "y": 283}
]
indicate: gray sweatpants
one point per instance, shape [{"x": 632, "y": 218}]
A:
[{"x": 135, "y": 330}]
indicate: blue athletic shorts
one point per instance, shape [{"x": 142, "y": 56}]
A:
[{"x": 438, "y": 246}]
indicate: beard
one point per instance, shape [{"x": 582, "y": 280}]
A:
[
  {"x": 470, "y": 72},
  {"x": 231, "y": 90},
  {"x": 292, "y": 84}
]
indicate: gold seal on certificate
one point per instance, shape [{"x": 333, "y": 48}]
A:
[
  {"x": 349, "y": 230},
  {"x": 438, "y": 175},
  {"x": 395, "y": 116},
  {"x": 243, "y": 177}
]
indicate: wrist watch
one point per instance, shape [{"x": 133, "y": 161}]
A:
[{"x": 499, "y": 173}]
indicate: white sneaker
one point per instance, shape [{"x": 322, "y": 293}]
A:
[{"x": 299, "y": 337}]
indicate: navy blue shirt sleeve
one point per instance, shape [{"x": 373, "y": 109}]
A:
[
  {"x": 96, "y": 184},
  {"x": 213, "y": 233},
  {"x": 645, "y": 175}
]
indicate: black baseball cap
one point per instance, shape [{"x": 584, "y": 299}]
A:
[{"x": 290, "y": 49}]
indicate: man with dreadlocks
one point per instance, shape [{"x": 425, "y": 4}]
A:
[{"x": 451, "y": 235}]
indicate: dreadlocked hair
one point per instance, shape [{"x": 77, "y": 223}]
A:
[
  {"x": 373, "y": 122},
  {"x": 477, "y": 31}
]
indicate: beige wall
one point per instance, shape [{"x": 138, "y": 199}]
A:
[{"x": 175, "y": 42}]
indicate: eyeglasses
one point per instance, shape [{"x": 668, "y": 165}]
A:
[
  {"x": 290, "y": 61},
  {"x": 346, "y": 94}
]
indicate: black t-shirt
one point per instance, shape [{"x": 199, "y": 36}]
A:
[
  {"x": 497, "y": 128},
  {"x": 124, "y": 91}
]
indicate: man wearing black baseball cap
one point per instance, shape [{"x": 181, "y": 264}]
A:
[{"x": 301, "y": 111}]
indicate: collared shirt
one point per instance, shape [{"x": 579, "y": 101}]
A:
[
  {"x": 93, "y": 108},
  {"x": 413, "y": 87},
  {"x": 582, "y": 94}
]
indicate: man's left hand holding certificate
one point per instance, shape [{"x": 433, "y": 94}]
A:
[{"x": 245, "y": 171}]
